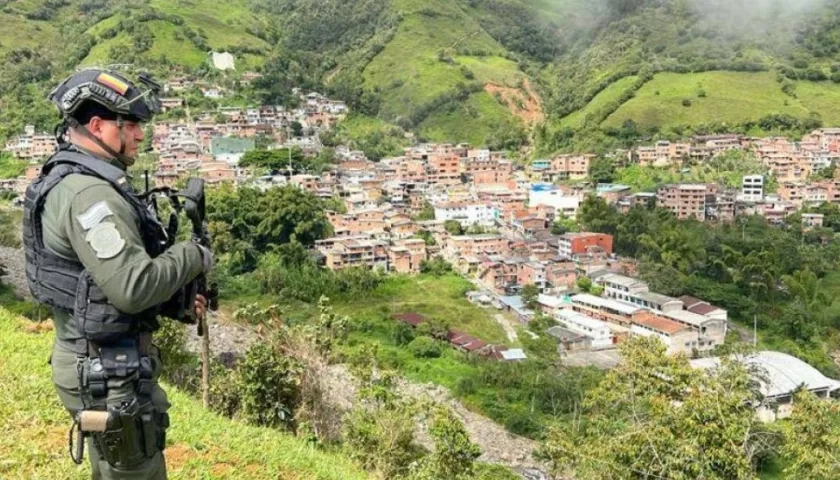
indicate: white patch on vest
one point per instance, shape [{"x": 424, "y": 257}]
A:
[
  {"x": 105, "y": 240},
  {"x": 94, "y": 215}
]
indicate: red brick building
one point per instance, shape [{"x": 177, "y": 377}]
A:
[{"x": 572, "y": 244}]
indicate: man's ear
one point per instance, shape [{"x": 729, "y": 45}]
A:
[{"x": 94, "y": 126}]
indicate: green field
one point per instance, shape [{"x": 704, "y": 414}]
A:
[
  {"x": 593, "y": 109},
  {"x": 821, "y": 97},
  {"x": 731, "y": 97},
  {"x": 498, "y": 70},
  {"x": 408, "y": 70},
  {"x": 166, "y": 45},
  {"x": 18, "y": 32},
  {"x": 224, "y": 23},
  {"x": 472, "y": 121},
  {"x": 200, "y": 444}
]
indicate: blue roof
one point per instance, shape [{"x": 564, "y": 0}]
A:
[
  {"x": 542, "y": 187},
  {"x": 611, "y": 187},
  {"x": 513, "y": 301}
]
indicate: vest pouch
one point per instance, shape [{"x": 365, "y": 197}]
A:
[{"x": 98, "y": 320}]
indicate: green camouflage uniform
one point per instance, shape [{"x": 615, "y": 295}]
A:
[{"x": 132, "y": 282}]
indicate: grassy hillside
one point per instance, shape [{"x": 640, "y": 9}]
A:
[
  {"x": 425, "y": 68},
  {"x": 200, "y": 444},
  {"x": 730, "y": 97},
  {"x": 422, "y": 65},
  {"x": 472, "y": 121},
  {"x": 596, "y": 108}
]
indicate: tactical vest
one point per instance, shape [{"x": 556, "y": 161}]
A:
[{"x": 65, "y": 284}]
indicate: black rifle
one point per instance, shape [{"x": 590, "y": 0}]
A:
[{"x": 194, "y": 207}]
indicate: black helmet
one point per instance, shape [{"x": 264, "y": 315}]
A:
[{"x": 105, "y": 93}]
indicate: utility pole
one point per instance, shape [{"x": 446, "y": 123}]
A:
[{"x": 289, "y": 149}]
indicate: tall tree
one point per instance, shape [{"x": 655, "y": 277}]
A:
[{"x": 654, "y": 416}]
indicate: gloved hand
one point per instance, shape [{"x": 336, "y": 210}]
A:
[{"x": 206, "y": 257}]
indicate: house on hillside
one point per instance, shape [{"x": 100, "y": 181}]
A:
[{"x": 781, "y": 376}]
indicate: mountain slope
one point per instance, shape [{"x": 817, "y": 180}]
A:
[{"x": 459, "y": 70}]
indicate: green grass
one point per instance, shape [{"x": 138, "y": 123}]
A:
[
  {"x": 498, "y": 70},
  {"x": 472, "y": 121},
  {"x": 200, "y": 444},
  {"x": 18, "y": 32},
  {"x": 408, "y": 70},
  {"x": 99, "y": 54},
  {"x": 223, "y": 22},
  {"x": 180, "y": 51},
  {"x": 731, "y": 97},
  {"x": 822, "y": 98},
  {"x": 592, "y": 109}
]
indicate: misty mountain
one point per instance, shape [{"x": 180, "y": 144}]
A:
[{"x": 462, "y": 70}]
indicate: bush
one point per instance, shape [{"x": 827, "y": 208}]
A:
[
  {"x": 522, "y": 425},
  {"x": 686, "y": 102},
  {"x": 269, "y": 385},
  {"x": 403, "y": 334},
  {"x": 434, "y": 328},
  {"x": 425, "y": 347},
  {"x": 179, "y": 365},
  {"x": 225, "y": 390}
]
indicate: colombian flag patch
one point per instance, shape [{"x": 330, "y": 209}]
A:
[{"x": 113, "y": 83}]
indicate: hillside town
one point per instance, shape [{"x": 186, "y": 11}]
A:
[{"x": 489, "y": 217}]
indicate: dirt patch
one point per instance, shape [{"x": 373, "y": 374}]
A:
[
  {"x": 219, "y": 470},
  {"x": 37, "y": 328},
  {"x": 178, "y": 455},
  {"x": 522, "y": 102}
]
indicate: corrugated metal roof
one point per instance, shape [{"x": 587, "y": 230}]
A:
[{"x": 784, "y": 373}]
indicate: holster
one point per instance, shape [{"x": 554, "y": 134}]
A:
[
  {"x": 126, "y": 434},
  {"x": 129, "y": 430}
]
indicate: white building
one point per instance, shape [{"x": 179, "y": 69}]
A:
[
  {"x": 620, "y": 287},
  {"x": 467, "y": 214},
  {"x": 567, "y": 205},
  {"x": 752, "y": 188},
  {"x": 600, "y": 332},
  {"x": 780, "y": 375}
]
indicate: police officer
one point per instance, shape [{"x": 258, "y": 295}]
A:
[{"x": 98, "y": 255}]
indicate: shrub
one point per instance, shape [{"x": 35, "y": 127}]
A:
[
  {"x": 686, "y": 102},
  {"x": 269, "y": 383},
  {"x": 434, "y": 328},
  {"x": 403, "y": 334},
  {"x": 522, "y": 425},
  {"x": 425, "y": 347}
]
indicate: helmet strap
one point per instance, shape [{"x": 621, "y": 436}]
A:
[
  {"x": 120, "y": 125},
  {"x": 119, "y": 156}
]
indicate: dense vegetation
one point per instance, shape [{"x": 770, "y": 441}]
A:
[
  {"x": 655, "y": 416},
  {"x": 781, "y": 276}
]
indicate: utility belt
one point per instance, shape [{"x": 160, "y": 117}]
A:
[{"x": 127, "y": 429}]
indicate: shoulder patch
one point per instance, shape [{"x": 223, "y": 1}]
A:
[
  {"x": 105, "y": 240},
  {"x": 94, "y": 215}
]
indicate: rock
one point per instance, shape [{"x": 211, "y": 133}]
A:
[{"x": 13, "y": 260}]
